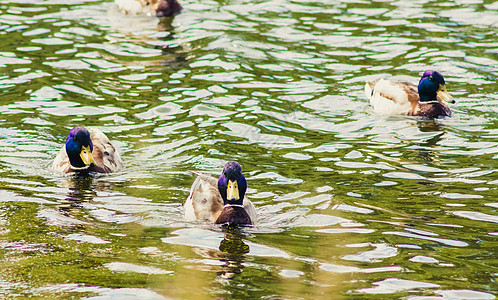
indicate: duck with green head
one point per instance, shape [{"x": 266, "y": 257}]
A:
[
  {"x": 405, "y": 98},
  {"x": 222, "y": 200},
  {"x": 87, "y": 150}
]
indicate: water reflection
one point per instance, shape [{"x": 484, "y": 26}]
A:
[
  {"x": 225, "y": 252},
  {"x": 80, "y": 188},
  {"x": 234, "y": 250},
  {"x": 84, "y": 187},
  {"x": 431, "y": 131}
]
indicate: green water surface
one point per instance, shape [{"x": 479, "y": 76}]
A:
[{"x": 350, "y": 204}]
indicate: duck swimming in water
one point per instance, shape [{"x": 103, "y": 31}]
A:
[
  {"x": 221, "y": 201},
  {"x": 87, "y": 150},
  {"x": 405, "y": 98},
  {"x": 160, "y": 8}
]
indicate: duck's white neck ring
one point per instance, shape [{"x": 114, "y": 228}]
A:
[
  {"x": 237, "y": 205},
  {"x": 81, "y": 168}
]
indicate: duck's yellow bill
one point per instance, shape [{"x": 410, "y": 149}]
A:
[
  {"x": 232, "y": 191},
  {"x": 443, "y": 94},
  {"x": 86, "y": 155}
]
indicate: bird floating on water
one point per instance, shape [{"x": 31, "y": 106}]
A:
[
  {"x": 160, "y": 8},
  {"x": 405, "y": 98},
  {"x": 221, "y": 201},
  {"x": 87, "y": 150}
]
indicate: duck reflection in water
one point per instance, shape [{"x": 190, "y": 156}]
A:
[
  {"x": 80, "y": 189},
  {"x": 234, "y": 250},
  {"x": 432, "y": 132},
  {"x": 231, "y": 253},
  {"x": 133, "y": 18},
  {"x": 431, "y": 126},
  {"x": 174, "y": 54},
  {"x": 83, "y": 187}
]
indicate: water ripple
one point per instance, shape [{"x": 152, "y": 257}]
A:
[{"x": 278, "y": 86}]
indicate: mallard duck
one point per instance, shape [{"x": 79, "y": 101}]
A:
[
  {"x": 160, "y": 8},
  {"x": 221, "y": 201},
  {"x": 404, "y": 98},
  {"x": 87, "y": 150}
]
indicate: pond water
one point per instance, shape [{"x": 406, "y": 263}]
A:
[{"x": 351, "y": 204}]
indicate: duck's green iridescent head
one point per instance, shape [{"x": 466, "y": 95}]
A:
[
  {"x": 232, "y": 185},
  {"x": 79, "y": 148},
  {"x": 432, "y": 85}
]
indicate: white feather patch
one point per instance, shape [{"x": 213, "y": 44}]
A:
[
  {"x": 189, "y": 209},
  {"x": 388, "y": 98},
  {"x": 132, "y": 7}
]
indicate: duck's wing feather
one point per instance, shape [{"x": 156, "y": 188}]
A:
[
  {"x": 206, "y": 177},
  {"x": 250, "y": 209},
  {"x": 134, "y": 7},
  {"x": 61, "y": 162},
  {"x": 204, "y": 201},
  {"x": 107, "y": 159},
  {"x": 392, "y": 97}
]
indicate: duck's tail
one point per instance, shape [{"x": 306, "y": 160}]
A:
[{"x": 369, "y": 89}]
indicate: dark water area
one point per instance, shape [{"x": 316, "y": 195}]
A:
[{"x": 351, "y": 204}]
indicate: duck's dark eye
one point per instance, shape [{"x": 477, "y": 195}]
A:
[{"x": 431, "y": 78}]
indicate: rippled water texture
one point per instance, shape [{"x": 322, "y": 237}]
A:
[{"x": 351, "y": 204}]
